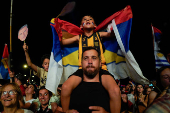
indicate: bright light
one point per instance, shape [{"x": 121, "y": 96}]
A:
[{"x": 25, "y": 66}]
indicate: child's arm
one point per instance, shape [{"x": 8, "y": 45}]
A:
[
  {"x": 33, "y": 66},
  {"x": 71, "y": 83},
  {"x": 114, "y": 93},
  {"x": 106, "y": 34},
  {"x": 71, "y": 40}
]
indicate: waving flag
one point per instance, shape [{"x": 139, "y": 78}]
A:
[
  {"x": 123, "y": 63},
  {"x": 160, "y": 59},
  {"x": 119, "y": 60},
  {"x": 4, "y": 69}
]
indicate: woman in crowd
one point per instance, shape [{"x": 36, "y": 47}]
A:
[
  {"x": 10, "y": 96},
  {"x": 140, "y": 99},
  {"x": 30, "y": 92}
]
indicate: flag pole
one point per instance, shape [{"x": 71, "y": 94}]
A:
[
  {"x": 11, "y": 27},
  {"x": 10, "y": 55}
]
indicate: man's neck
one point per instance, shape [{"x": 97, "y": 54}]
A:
[
  {"x": 95, "y": 79},
  {"x": 88, "y": 32}
]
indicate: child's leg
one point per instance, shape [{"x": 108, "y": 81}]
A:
[
  {"x": 114, "y": 93},
  {"x": 71, "y": 83}
]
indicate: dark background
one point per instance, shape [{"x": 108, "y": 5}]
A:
[{"x": 38, "y": 14}]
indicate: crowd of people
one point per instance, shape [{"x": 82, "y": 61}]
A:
[{"x": 90, "y": 89}]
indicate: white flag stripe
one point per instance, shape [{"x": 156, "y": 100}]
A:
[
  {"x": 55, "y": 72},
  {"x": 136, "y": 73}
]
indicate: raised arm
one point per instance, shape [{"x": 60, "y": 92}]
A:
[
  {"x": 68, "y": 41},
  {"x": 33, "y": 66},
  {"x": 106, "y": 34}
]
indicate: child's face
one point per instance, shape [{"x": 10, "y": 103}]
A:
[
  {"x": 87, "y": 22},
  {"x": 45, "y": 64}
]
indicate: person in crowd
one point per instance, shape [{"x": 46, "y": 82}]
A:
[
  {"x": 141, "y": 100},
  {"x": 19, "y": 78},
  {"x": 122, "y": 88},
  {"x": 88, "y": 38},
  {"x": 10, "y": 97},
  {"x": 148, "y": 90},
  {"x": 131, "y": 99},
  {"x": 41, "y": 72},
  {"x": 30, "y": 92},
  {"x": 162, "y": 80},
  {"x": 160, "y": 98},
  {"x": 124, "y": 103},
  {"x": 162, "y": 103},
  {"x": 1, "y": 106},
  {"x": 92, "y": 93},
  {"x": 44, "y": 105}
]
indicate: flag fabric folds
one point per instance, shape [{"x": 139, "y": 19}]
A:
[
  {"x": 4, "y": 69},
  {"x": 119, "y": 60},
  {"x": 160, "y": 59}
]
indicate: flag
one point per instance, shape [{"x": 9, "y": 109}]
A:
[
  {"x": 119, "y": 60},
  {"x": 4, "y": 69},
  {"x": 160, "y": 59}
]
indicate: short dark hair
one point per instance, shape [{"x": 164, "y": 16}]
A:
[
  {"x": 91, "y": 48},
  {"x": 44, "y": 57},
  {"x": 87, "y": 15},
  {"x": 43, "y": 87},
  {"x": 20, "y": 77}
]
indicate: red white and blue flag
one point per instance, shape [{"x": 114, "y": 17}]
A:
[
  {"x": 160, "y": 59},
  {"x": 4, "y": 69},
  {"x": 119, "y": 60}
]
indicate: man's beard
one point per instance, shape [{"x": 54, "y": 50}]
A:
[{"x": 91, "y": 74}]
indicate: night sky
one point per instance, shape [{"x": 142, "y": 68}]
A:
[{"x": 37, "y": 16}]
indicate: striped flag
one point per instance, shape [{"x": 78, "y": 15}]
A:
[
  {"x": 160, "y": 59},
  {"x": 123, "y": 64},
  {"x": 119, "y": 60},
  {"x": 4, "y": 69}
]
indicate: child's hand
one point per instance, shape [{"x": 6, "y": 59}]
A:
[{"x": 25, "y": 47}]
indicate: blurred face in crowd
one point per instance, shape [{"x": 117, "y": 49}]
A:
[
  {"x": 9, "y": 96},
  {"x": 139, "y": 88},
  {"x": 45, "y": 64},
  {"x": 148, "y": 90},
  {"x": 127, "y": 87},
  {"x": 30, "y": 89},
  {"x": 165, "y": 77},
  {"x": 44, "y": 96},
  {"x": 91, "y": 63}
]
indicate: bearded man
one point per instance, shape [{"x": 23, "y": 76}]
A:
[{"x": 92, "y": 93}]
